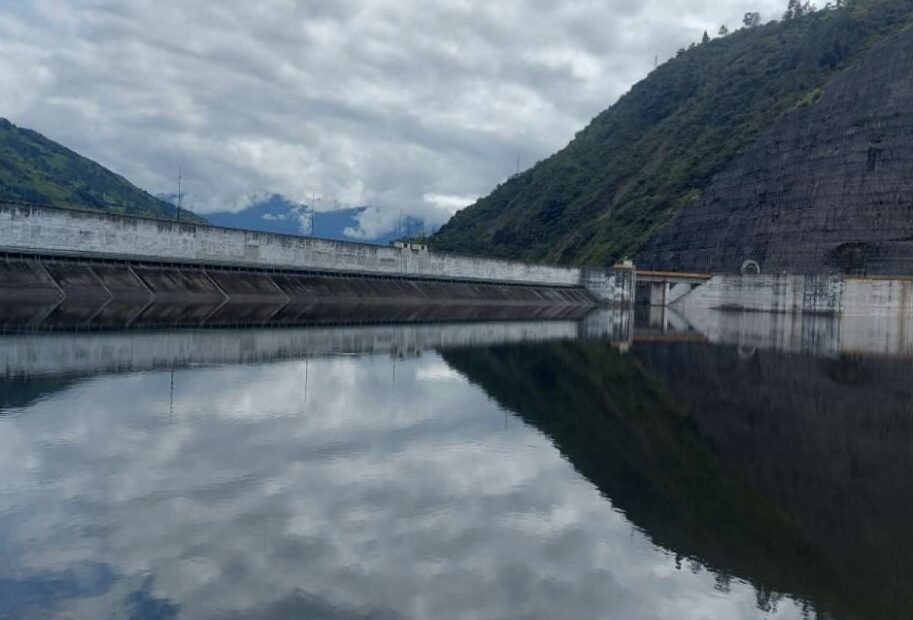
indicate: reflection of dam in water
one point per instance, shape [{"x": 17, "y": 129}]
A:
[
  {"x": 329, "y": 330},
  {"x": 87, "y": 354},
  {"x": 886, "y": 334}
]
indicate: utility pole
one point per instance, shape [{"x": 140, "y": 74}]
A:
[
  {"x": 314, "y": 214},
  {"x": 309, "y": 213},
  {"x": 180, "y": 195},
  {"x": 171, "y": 398}
]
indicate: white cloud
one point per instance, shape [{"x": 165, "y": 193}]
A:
[
  {"x": 450, "y": 204},
  {"x": 402, "y": 106}
]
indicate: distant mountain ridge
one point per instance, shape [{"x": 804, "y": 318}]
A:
[
  {"x": 37, "y": 170},
  {"x": 277, "y": 214},
  {"x": 34, "y": 169}
]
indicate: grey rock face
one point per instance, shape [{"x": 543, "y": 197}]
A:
[{"x": 829, "y": 189}]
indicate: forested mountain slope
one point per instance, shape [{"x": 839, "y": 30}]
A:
[
  {"x": 655, "y": 152},
  {"x": 38, "y": 170}
]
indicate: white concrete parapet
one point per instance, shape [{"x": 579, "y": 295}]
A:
[{"x": 29, "y": 228}]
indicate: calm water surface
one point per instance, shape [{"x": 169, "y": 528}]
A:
[{"x": 406, "y": 473}]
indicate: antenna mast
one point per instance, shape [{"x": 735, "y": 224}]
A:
[
  {"x": 312, "y": 210},
  {"x": 180, "y": 195}
]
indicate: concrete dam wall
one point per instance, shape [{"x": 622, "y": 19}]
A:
[
  {"x": 62, "y": 252},
  {"x": 846, "y": 296}
]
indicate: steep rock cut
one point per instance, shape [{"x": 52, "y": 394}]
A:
[{"x": 827, "y": 189}]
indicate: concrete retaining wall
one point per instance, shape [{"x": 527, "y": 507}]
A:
[
  {"x": 871, "y": 297},
  {"x": 813, "y": 294},
  {"x": 611, "y": 286},
  {"x": 64, "y": 230}
]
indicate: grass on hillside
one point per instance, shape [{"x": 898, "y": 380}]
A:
[{"x": 34, "y": 169}]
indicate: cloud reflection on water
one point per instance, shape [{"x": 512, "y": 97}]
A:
[{"x": 393, "y": 490}]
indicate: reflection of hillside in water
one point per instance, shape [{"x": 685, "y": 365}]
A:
[
  {"x": 829, "y": 440},
  {"x": 789, "y": 472},
  {"x": 17, "y": 392}
]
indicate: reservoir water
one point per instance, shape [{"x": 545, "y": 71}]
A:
[{"x": 759, "y": 468}]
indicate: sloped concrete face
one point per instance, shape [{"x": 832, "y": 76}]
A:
[
  {"x": 20, "y": 279},
  {"x": 121, "y": 282},
  {"x": 677, "y": 291},
  {"x": 183, "y": 285}
]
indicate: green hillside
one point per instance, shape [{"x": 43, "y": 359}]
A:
[
  {"x": 639, "y": 162},
  {"x": 37, "y": 170}
]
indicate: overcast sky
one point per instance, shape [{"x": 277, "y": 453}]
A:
[{"x": 412, "y": 105}]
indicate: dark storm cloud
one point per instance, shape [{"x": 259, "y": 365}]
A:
[{"x": 411, "y": 105}]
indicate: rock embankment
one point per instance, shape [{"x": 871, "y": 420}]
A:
[{"x": 829, "y": 189}]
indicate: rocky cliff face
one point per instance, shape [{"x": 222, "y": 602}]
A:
[{"x": 827, "y": 189}]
